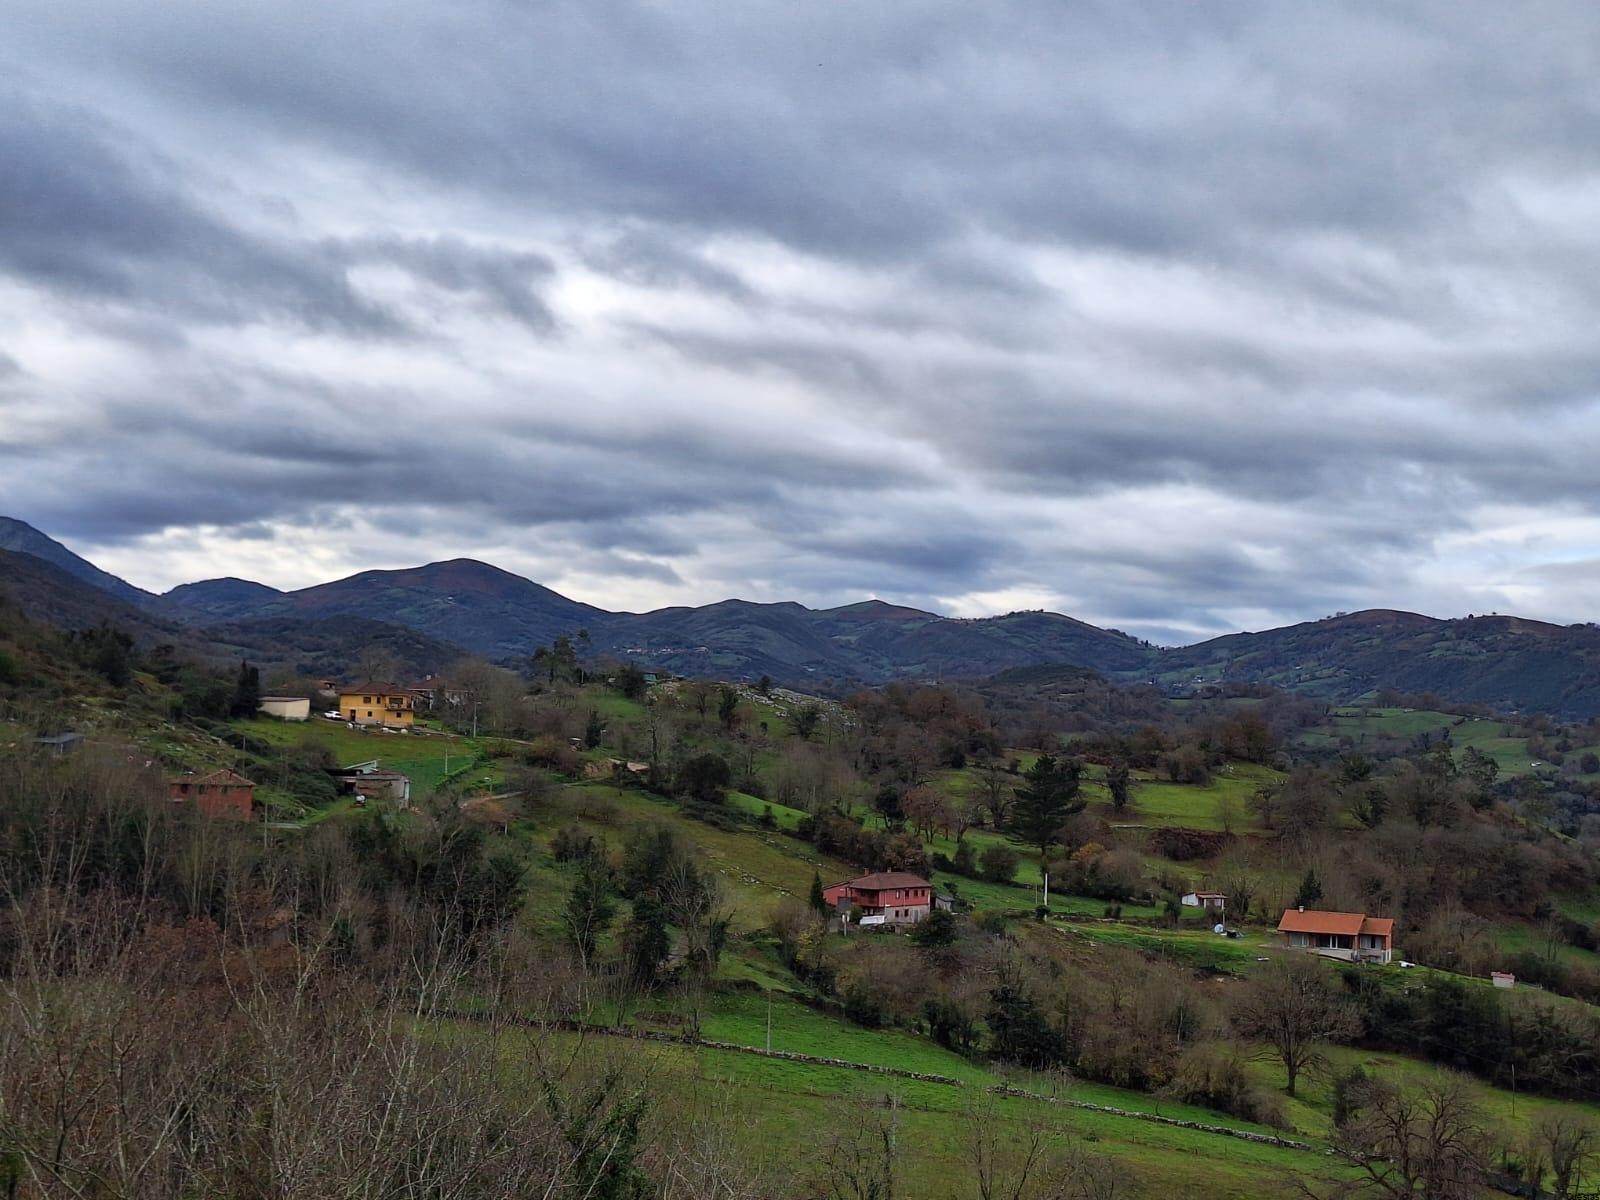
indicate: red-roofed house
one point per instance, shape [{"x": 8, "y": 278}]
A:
[
  {"x": 899, "y": 897},
  {"x": 1353, "y": 936},
  {"x": 219, "y": 794}
]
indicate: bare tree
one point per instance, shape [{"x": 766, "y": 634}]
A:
[
  {"x": 1426, "y": 1141},
  {"x": 1569, "y": 1146},
  {"x": 860, "y": 1159},
  {"x": 1288, "y": 1007},
  {"x": 1026, "y": 1157}
]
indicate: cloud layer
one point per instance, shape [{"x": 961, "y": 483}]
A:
[{"x": 1175, "y": 318}]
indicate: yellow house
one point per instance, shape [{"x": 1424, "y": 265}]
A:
[{"x": 377, "y": 703}]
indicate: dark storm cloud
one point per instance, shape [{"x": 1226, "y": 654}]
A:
[
  {"x": 84, "y": 213},
  {"x": 1178, "y": 315}
]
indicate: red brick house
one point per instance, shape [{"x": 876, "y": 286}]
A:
[
  {"x": 1353, "y": 936},
  {"x": 899, "y": 897},
  {"x": 219, "y": 794}
]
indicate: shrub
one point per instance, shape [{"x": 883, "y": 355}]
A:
[
  {"x": 705, "y": 778},
  {"x": 862, "y": 1007},
  {"x": 936, "y": 931},
  {"x": 951, "y": 1024},
  {"x": 554, "y": 754},
  {"x": 1186, "y": 845},
  {"x": 965, "y": 861},
  {"x": 575, "y": 844},
  {"x": 1214, "y": 1076},
  {"x": 1000, "y": 864}
]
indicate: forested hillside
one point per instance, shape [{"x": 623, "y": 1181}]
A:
[{"x": 599, "y": 920}]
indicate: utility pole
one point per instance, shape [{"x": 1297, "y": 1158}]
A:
[
  {"x": 1046, "y": 890},
  {"x": 769, "y": 1022}
]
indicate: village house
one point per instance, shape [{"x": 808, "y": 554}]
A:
[
  {"x": 378, "y": 703},
  {"x": 1352, "y": 936},
  {"x": 285, "y": 708},
  {"x": 895, "y": 897},
  {"x": 1211, "y": 902},
  {"x": 219, "y": 794}
]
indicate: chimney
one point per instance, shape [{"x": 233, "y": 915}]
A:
[{"x": 1302, "y": 908}]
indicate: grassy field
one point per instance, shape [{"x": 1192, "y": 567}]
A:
[
  {"x": 787, "y": 1112},
  {"x": 756, "y": 866},
  {"x": 1222, "y": 804},
  {"x": 424, "y": 758},
  {"x": 1365, "y": 727}
]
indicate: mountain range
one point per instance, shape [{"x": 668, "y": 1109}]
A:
[{"x": 427, "y": 614}]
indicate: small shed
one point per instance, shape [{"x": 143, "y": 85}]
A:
[
  {"x": 1502, "y": 979},
  {"x": 60, "y": 743},
  {"x": 1214, "y": 902},
  {"x": 370, "y": 781},
  {"x": 286, "y": 708}
]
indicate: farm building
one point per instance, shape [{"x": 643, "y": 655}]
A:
[
  {"x": 899, "y": 897},
  {"x": 219, "y": 794},
  {"x": 377, "y": 703},
  {"x": 1353, "y": 936},
  {"x": 286, "y": 708},
  {"x": 370, "y": 781},
  {"x": 1212, "y": 902}
]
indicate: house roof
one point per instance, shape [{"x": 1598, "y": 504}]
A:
[
  {"x": 222, "y": 778},
  {"x": 1210, "y": 895},
  {"x": 1340, "y": 923},
  {"x": 375, "y": 687},
  {"x": 882, "y": 880}
]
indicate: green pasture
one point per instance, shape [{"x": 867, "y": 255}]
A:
[{"x": 420, "y": 756}]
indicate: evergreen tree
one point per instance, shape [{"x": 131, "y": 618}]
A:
[
  {"x": 593, "y": 730},
  {"x": 728, "y": 707},
  {"x": 246, "y": 692},
  {"x": 1310, "y": 891},
  {"x": 590, "y": 909},
  {"x": 645, "y": 941},
  {"x": 819, "y": 902},
  {"x": 1119, "y": 783},
  {"x": 1047, "y": 797},
  {"x": 965, "y": 860}
]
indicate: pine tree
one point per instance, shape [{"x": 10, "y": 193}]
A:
[
  {"x": 593, "y": 730},
  {"x": 819, "y": 902},
  {"x": 1310, "y": 891},
  {"x": 1047, "y": 797}
]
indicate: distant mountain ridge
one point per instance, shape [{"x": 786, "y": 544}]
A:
[
  {"x": 1503, "y": 662},
  {"x": 22, "y": 538}
]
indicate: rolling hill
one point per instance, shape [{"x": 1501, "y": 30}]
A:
[{"x": 1504, "y": 662}]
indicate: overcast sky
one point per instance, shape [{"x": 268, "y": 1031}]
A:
[{"x": 1176, "y": 317}]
